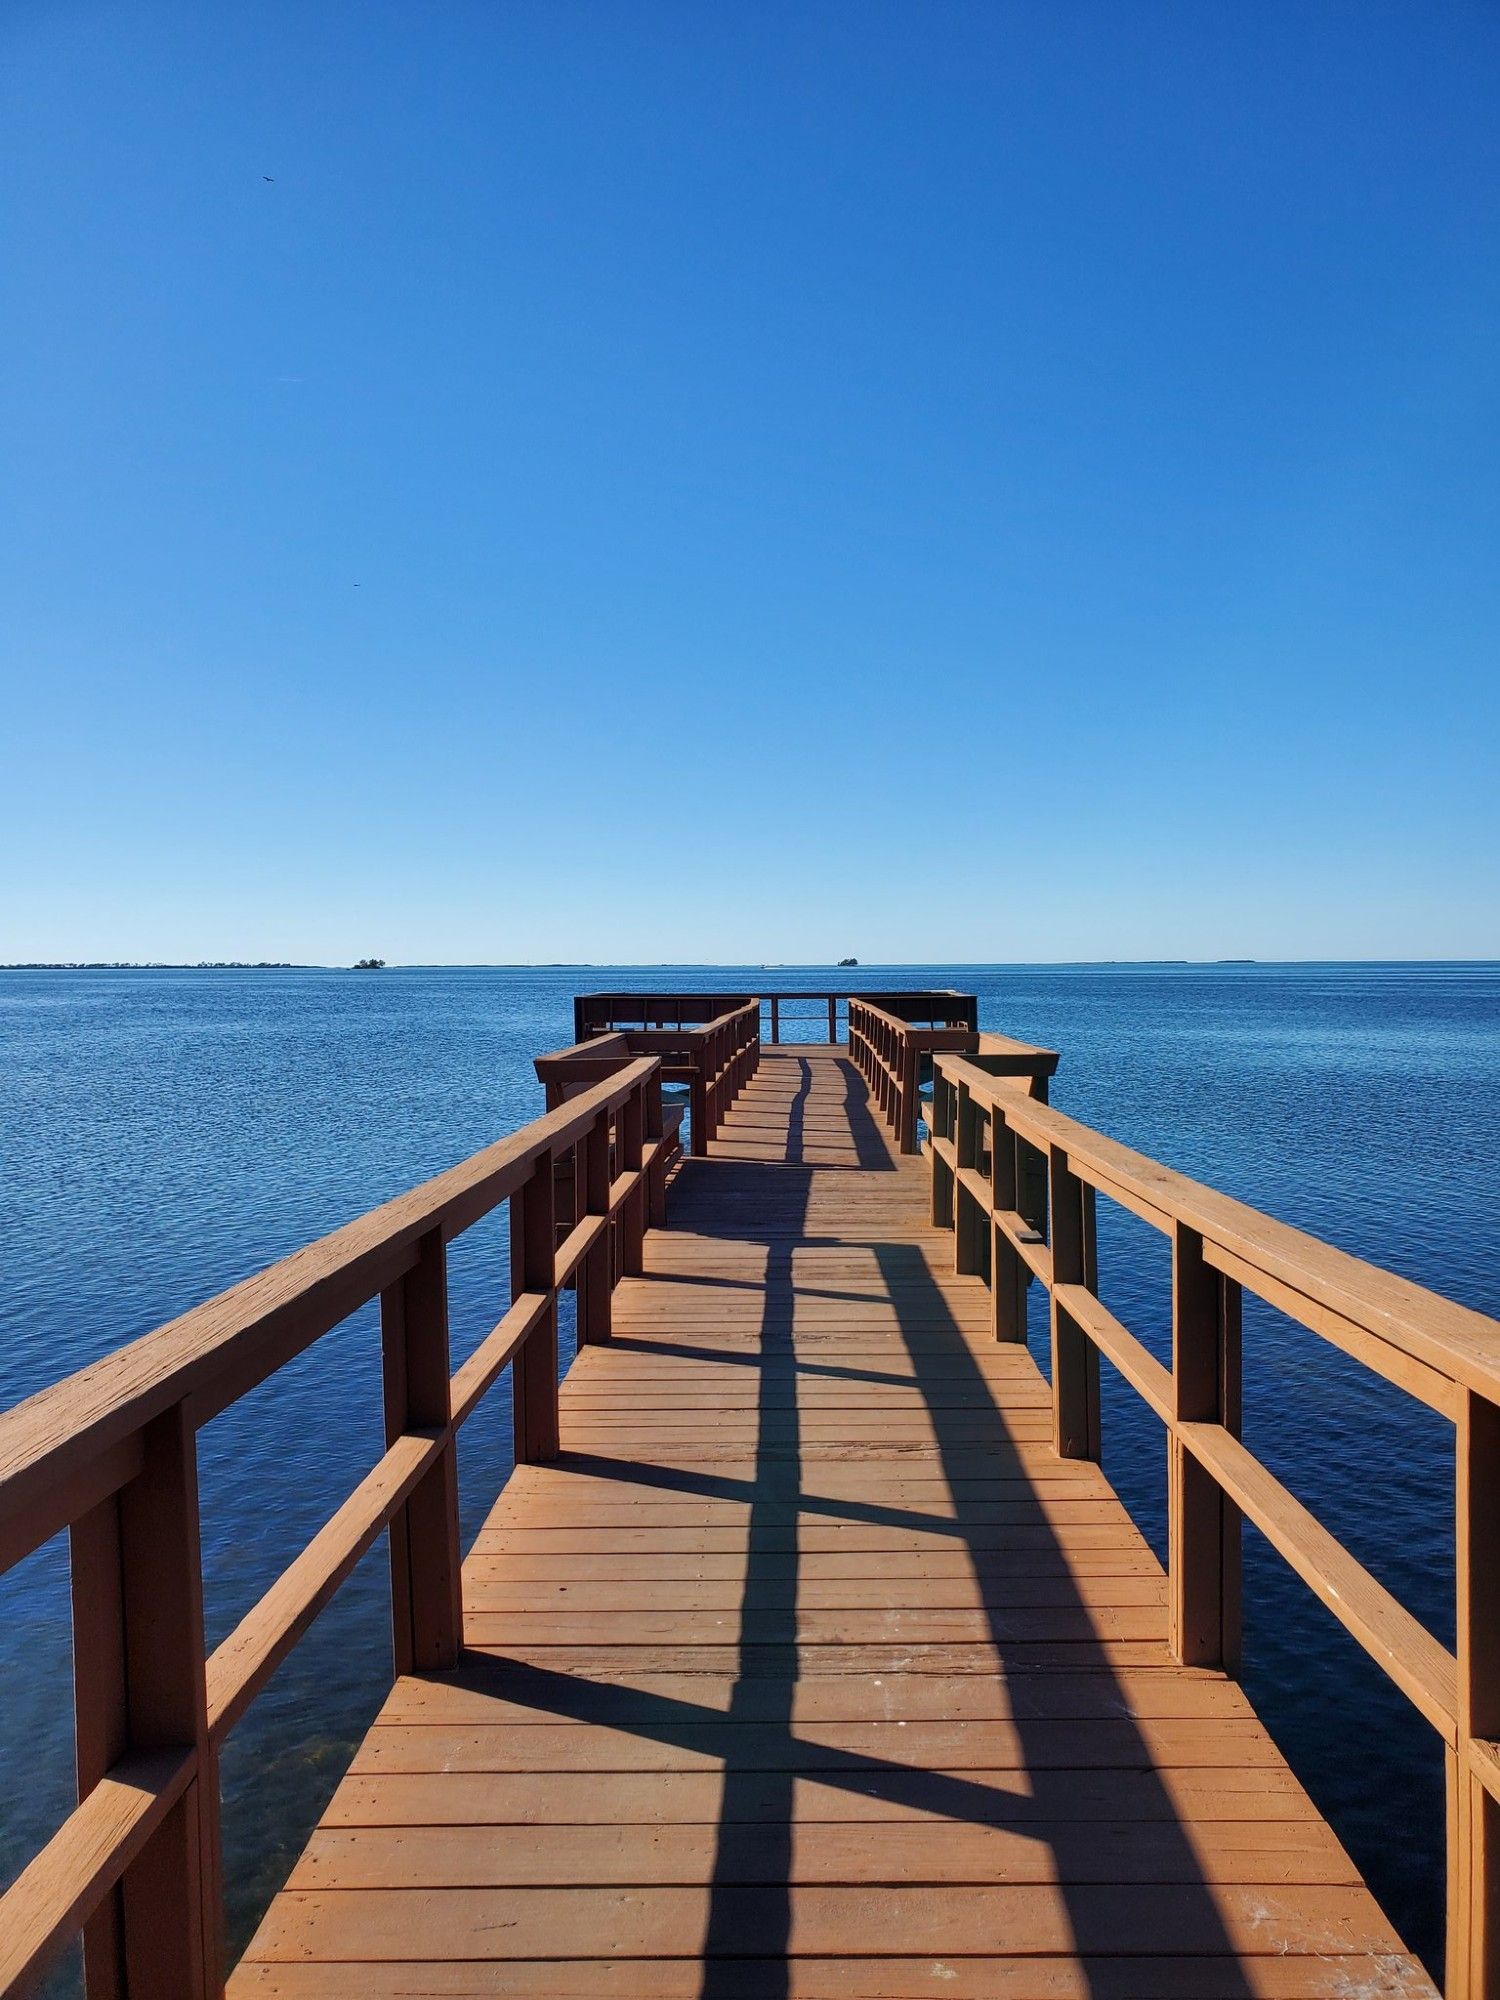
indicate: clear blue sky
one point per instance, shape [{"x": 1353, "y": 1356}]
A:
[{"x": 749, "y": 481}]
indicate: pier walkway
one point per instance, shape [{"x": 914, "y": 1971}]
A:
[{"x": 808, "y": 1668}]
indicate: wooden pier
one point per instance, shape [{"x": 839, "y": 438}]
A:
[{"x": 808, "y": 1651}]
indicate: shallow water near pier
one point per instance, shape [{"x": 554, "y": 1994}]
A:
[{"x": 164, "y": 1133}]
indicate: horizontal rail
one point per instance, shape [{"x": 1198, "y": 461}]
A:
[
  {"x": 59, "y": 1887},
  {"x": 240, "y": 1667},
  {"x": 1425, "y": 1671}
]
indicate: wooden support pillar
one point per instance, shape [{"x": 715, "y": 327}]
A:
[
  {"x": 698, "y": 1112},
  {"x": 775, "y": 1020},
  {"x": 908, "y": 1096},
  {"x": 656, "y": 1178},
  {"x": 1473, "y": 1956},
  {"x": 969, "y": 1221},
  {"x": 426, "y": 1607},
  {"x": 833, "y": 1017},
  {"x": 533, "y": 1268},
  {"x": 595, "y": 1275},
  {"x": 1009, "y": 1276},
  {"x": 1075, "y": 1359},
  {"x": 138, "y": 1667},
  {"x": 942, "y": 1173},
  {"x": 1203, "y": 1525},
  {"x": 632, "y": 1130}
]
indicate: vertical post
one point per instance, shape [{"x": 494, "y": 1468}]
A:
[
  {"x": 1203, "y": 1525},
  {"x": 1075, "y": 1359},
  {"x": 533, "y": 1268},
  {"x": 139, "y": 1685},
  {"x": 775, "y": 1019},
  {"x": 656, "y": 1177},
  {"x": 833, "y": 1017},
  {"x": 594, "y": 1274},
  {"x": 909, "y": 1095},
  {"x": 1473, "y": 1970},
  {"x": 968, "y": 1220},
  {"x": 426, "y": 1607},
  {"x": 1009, "y": 1276},
  {"x": 698, "y": 1105},
  {"x": 942, "y": 1128},
  {"x": 633, "y": 1214}
]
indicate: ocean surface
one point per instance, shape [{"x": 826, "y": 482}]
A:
[{"x": 164, "y": 1133}]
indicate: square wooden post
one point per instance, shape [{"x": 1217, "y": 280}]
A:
[
  {"x": 1075, "y": 1359},
  {"x": 633, "y": 1214},
  {"x": 138, "y": 1667},
  {"x": 968, "y": 1222},
  {"x": 594, "y": 1274},
  {"x": 1473, "y": 1956},
  {"x": 1009, "y": 1276},
  {"x": 533, "y": 1268},
  {"x": 1203, "y": 1529},
  {"x": 426, "y": 1607},
  {"x": 908, "y": 1095},
  {"x": 942, "y": 1173}
]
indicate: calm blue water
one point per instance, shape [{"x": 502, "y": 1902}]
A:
[{"x": 165, "y": 1133}]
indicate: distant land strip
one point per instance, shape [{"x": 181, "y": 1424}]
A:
[{"x": 156, "y": 965}]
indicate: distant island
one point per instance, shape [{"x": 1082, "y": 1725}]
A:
[
  {"x": 369, "y": 965},
  {"x": 848, "y": 961}
]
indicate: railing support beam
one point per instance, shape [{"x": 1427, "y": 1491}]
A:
[
  {"x": 533, "y": 1268},
  {"x": 139, "y": 1686},
  {"x": 1473, "y": 1969},
  {"x": 426, "y": 1606},
  {"x": 1075, "y": 1359},
  {"x": 1203, "y": 1524}
]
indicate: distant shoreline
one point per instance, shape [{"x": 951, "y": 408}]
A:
[{"x": 160, "y": 965}]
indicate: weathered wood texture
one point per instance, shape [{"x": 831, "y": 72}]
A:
[{"x": 809, "y": 1668}]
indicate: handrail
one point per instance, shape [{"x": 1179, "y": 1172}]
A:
[
  {"x": 110, "y": 1454},
  {"x": 602, "y": 1012},
  {"x": 894, "y": 1054},
  {"x": 715, "y": 1057},
  {"x": 1017, "y": 1180}
]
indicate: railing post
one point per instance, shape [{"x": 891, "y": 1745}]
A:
[
  {"x": 968, "y": 1219},
  {"x": 595, "y": 1275},
  {"x": 1009, "y": 1276},
  {"x": 1203, "y": 1525},
  {"x": 632, "y": 1130},
  {"x": 908, "y": 1095},
  {"x": 698, "y": 1112},
  {"x": 139, "y": 1686},
  {"x": 1075, "y": 1359},
  {"x": 533, "y": 1268},
  {"x": 775, "y": 1020},
  {"x": 1473, "y": 1970},
  {"x": 833, "y": 1017},
  {"x": 656, "y": 1177},
  {"x": 942, "y": 1128},
  {"x": 426, "y": 1606}
]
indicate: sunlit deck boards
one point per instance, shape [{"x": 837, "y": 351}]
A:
[{"x": 809, "y": 1670}]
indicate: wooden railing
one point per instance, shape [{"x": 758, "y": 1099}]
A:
[
  {"x": 110, "y": 1454},
  {"x": 715, "y": 1057},
  {"x": 595, "y": 1013},
  {"x": 1017, "y": 1182},
  {"x": 894, "y": 1052}
]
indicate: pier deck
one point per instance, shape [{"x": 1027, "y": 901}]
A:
[{"x": 809, "y": 1669}]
